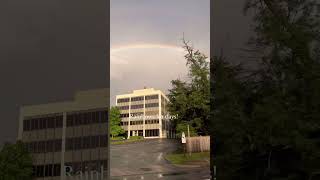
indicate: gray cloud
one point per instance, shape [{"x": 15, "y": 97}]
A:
[{"x": 154, "y": 22}]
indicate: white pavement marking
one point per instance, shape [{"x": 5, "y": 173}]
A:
[{"x": 160, "y": 156}]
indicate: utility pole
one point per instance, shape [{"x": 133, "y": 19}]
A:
[{"x": 189, "y": 140}]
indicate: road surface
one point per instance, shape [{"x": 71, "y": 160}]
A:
[{"x": 145, "y": 160}]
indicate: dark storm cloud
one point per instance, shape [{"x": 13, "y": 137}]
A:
[
  {"x": 231, "y": 29},
  {"x": 49, "y": 50}
]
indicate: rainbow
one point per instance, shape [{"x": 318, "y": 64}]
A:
[{"x": 145, "y": 46}]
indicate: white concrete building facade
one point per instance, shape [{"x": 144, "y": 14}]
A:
[
  {"x": 70, "y": 134},
  {"x": 144, "y": 113}
]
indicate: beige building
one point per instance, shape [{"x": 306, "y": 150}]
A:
[
  {"x": 69, "y": 135},
  {"x": 144, "y": 113}
]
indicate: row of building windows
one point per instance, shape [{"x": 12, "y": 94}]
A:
[
  {"x": 124, "y": 115},
  {"x": 123, "y": 100},
  {"x": 123, "y": 107},
  {"x": 139, "y": 98},
  {"x": 74, "y": 119},
  {"x": 86, "y": 142},
  {"x": 136, "y": 122},
  {"x": 152, "y": 121},
  {"x": 84, "y": 118},
  {"x": 152, "y": 97},
  {"x": 139, "y": 106},
  {"x": 51, "y": 170},
  {"x": 150, "y": 105},
  {"x": 124, "y": 123},
  {"x": 44, "y": 146},
  {"x": 137, "y": 114},
  {"x": 42, "y": 123},
  {"x": 47, "y": 170},
  {"x": 87, "y": 166},
  {"x": 132, "y": 115},
  {"x": 151, "y": 132}
]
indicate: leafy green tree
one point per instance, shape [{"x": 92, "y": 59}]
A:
[
  {"x": 227, "y": 119},
  {"x": 115, "y": 128},
  {"x": 183, "y": 127},
  {"x": 15, "y": 162},
  {"x": 190, "y": 99},
  {"x": 266, "y": 123}
]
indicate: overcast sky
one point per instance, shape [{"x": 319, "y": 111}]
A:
[
  {"x": 50, "y": 49},
  {"x": 146, "y": 41}
]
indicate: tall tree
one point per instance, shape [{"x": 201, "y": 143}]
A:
[
  {"x": 190, "y": 99},
  {"x": 270, "y": 129},
  {"x": 115, "y": 128},
  {"x": 15, "y": 162}
]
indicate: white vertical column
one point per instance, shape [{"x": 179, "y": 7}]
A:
[
  {"x": 160, "y": 118},
  {"x": 20, "y": 125},
  {"x": 129, "y": 118},
  {"x": 102, "y": 171},
  {"x": 63, "y": 145},
  {"x": 144, "y": 116}
]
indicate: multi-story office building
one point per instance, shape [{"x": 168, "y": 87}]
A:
[
  {"x": 144, "y": 113},
  {"x": 67, "y": 134}
]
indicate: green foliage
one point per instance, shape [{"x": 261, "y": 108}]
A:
[
  {"x": 190, "y": 99},
  {"x": 183, "y": 127},
  {"x": 182, "y": 158},
  {"x": 115, "y": 128},
  {"x": 135, "y": 137},
  {"x": 15, "y": 162},
  {"x": 118, "y": 138},
  {"x": 266, "y": 123}
]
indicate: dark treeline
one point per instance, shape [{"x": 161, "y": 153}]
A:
[{"x": 265, "y": 123}]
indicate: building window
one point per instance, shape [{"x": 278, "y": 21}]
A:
[
  {"x": 124, "y": 115},
  {"x": 56, "y": 169},
  {"x": 123, "y": 107},
  {"x": 137, "y": 106},
  {"x": 152, "y": 121},
  {"x": 104, "y": 116},
  {"x": 152, "y": 97},
  {"x": 59, "y": 122},
  {"x": 94, "y": 141},
  {"x": 124, "y": 123},
  {"x": 150, "y": 105},
  {"x": 49, "y": 146},
  {"x": 43, "y": 123},
  {"x": 152, "y": 132},
  {"x": 123, "y": 100},
  {"x": 50, "y": 122},
  {"x": 36, "y": 124},
  {"x": 84, "y": 118},
  {"x": 104, "y": 140},
  {"x": 136, "y": 114},
  {"x": 140, "y": 98},
  {"x": 136, "y": 122},
  {"x": 26, "y": 125},
  {"x": 48, "y": 170}
]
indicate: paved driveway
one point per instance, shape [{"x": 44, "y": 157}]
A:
[{"x": 145, "y": 160}]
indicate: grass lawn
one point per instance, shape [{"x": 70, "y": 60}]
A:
[
  {"x": 131, "y": 140},
  {"x": 181, "y": 158},
  {"x": 117, "y": 138}
]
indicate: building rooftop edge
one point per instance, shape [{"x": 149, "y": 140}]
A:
[
  {"x": 77, "y": 97},
  {"x": 139, "y": 92}
]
